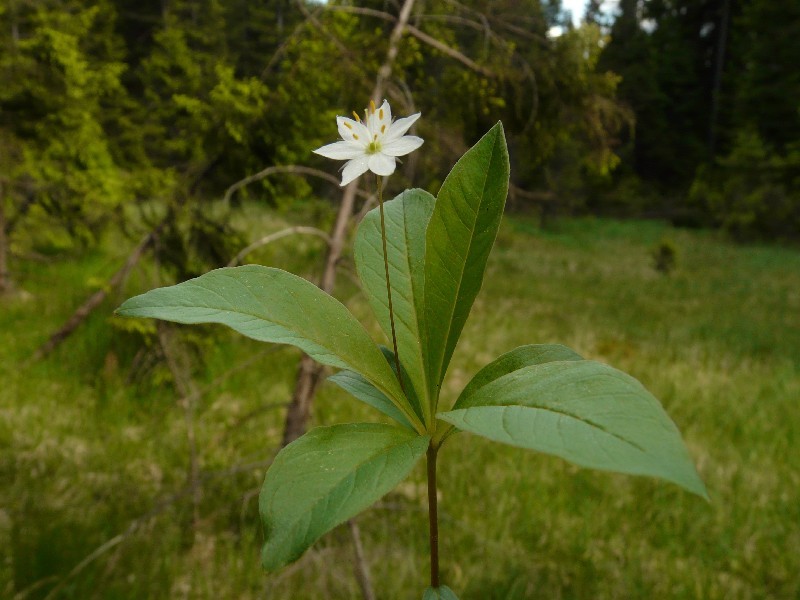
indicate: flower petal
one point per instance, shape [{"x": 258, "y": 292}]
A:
[
  {"x": 399, "y": 128},
  {"x": 341, "y": 150},
  {"x": 354, "y": 168},
  {"x": 354, "y": 131},
  {"x": 383, "y": 119},
  {"x": 406, "y": 144},
  {"x": 381, "y": 164},
  {"x": 378, "y": 121},
  {"x": 385, "y": 112}
]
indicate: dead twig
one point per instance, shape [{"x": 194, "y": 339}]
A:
[
  {"x": 268, "y": 239},
  {"x": 417, "y": 33},
  {"x": 97, "y": 553},
  {"x": 361, "y": 566},
  {"x": 451, "y": 52},
  {"x": 188, "y": 392},
  {"x": 278, "y": 170},
  {"x": 96, "y": 299}
]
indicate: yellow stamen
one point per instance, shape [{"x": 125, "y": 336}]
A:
[
  {"x": 376, "y": 137},
  {"x": 355, "y": 136},
  {"x": 346, "y": 124},
  {"x": 372, "y": 106},
  {"x": 355, "y": 114},
  {"x": 380, "y": 114},
  {"x": 383, "y": 128}
]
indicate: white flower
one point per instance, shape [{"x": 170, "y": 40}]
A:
[{"x": 371, "y": 145}]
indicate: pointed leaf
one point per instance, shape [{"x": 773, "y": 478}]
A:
[
  {"x": 271, "y": 305},
  {"x": 441, "y": 593},
  {"x": 326, "y": 477},
  {"x": 460, "y": 235},
  {"x": 363, "y": 390},
  {"x": 524, "y": 356},
  {"x": 585, "y": 412},
  {"x": 407, "y": 218}
]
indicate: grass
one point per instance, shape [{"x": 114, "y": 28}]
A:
[{"x": 89, "y": 447}]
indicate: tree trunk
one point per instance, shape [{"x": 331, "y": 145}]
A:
[{"x": 719, "y": 65}]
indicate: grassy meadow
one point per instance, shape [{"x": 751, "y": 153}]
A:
[{"x": 94, "y": 454}]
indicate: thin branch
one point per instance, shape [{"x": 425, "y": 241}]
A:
[
  {"x": 188, "y": 392},
  {"x": 282, "y": 48},
  {"x": 359, "y": 10},
  {"x": 420, "y": 35},
  {"x": 530, "y": 76},
  {"x": 451, "y": 52},
  {"x": 312, "y": 18},
  {"x": 91, "y": 303},
  {"x": 482, "y": 25},
  {"x": 361, "y": 566},
  {"x": 268, "y": 239},
  {"x": 98, "y": 552},
  {"x": 279, "y": 170}
]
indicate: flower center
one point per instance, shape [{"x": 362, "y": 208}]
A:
[{"x": 374, "y": 147}]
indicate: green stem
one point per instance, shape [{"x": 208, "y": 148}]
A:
[
  {"x": 433, "y": 515},
  {"x": 389, "y": 287}
]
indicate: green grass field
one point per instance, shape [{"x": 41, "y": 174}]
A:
[{"x": 94, "y": 452}]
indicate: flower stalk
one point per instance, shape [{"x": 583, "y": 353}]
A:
[
  {"x": 433, "y": 515},
  {"x": 379, "y": 185}
]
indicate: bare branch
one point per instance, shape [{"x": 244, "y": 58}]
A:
[
  {"x": 188, "y": 394},
  {"x": 279, "y": 170},
  {"x": 268, "y": 239},
  {"x": 98, "y": 552},
  {"x": 451, "y": 52},
  {"x": 421, "y": 35},
  {"x": 312, "y": 18},
  {"x": 281, "y": 50},
  {"x": 361, "y": 566},
  {"x": 358, "y": 10},
  {"x": 96, "y": 299}
]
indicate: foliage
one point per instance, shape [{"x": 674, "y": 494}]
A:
[
  {"x": 709, "y": 81},
  {"x": 59, "y": 78},
  {"x": 665, "y": 256},
  {"x": 753, "y": 191},
  {"x": 545, "y": 398}
]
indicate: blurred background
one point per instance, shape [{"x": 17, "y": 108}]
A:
[{"x": 652, "y": 223}]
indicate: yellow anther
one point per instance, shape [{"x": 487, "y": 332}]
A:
[
  {"x": 372, "y": 106},
  {"x": 355, "y": 114},
  {"x": 346, "y": 124},
  {"x": 380, "y": 114},
  {"x": 355, "y": 136},
  {"x": 383, "y": 128},
  {"x": 376, "y": 137}
]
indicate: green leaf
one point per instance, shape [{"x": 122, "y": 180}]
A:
[
  {"x": 524, "y": 356},
  {"x": 271, "y": 305},
  {"x": 460, "y": 235},
  {"x": 407, "y": 218},
  {"x": 585, "y": 412},
  {"x": 326, "y": 477},
  {"x": 441, "y": 593},
  {"x": 363, "y": 390}
]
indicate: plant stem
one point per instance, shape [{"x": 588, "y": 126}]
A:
[
  {"x": 388, "y": 286},
  {"x": 433, "y": 515}
]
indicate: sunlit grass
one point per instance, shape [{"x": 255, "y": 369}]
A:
[{"x": 85, "y": 453}]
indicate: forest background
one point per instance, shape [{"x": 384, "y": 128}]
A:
[{"x": 145, "y": 142}]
